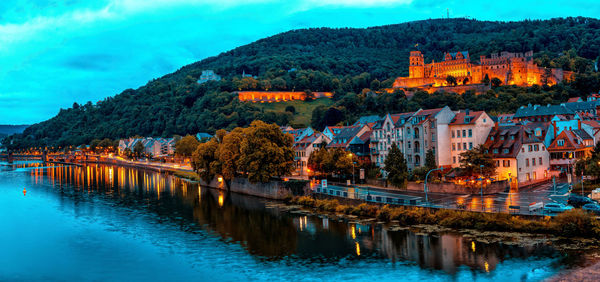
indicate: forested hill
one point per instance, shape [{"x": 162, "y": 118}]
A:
[{"x": 346, "y": 61}]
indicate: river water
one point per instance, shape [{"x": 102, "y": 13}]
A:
[{"x": 112, "y": 223}]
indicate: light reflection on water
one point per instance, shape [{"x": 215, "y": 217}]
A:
[{"x": 131, "y": 219}]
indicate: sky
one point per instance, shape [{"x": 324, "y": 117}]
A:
[{"x": 56, "y": 52}]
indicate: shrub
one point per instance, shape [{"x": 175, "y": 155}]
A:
[{"x": 575, "y": 222}]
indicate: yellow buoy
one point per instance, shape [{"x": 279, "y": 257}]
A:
[{"x": 24, "y": 191}]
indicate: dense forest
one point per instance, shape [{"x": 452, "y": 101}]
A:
[{"x": 353, "y": 63}]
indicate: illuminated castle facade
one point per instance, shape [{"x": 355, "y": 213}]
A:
[{"x": 510, "y": 68}]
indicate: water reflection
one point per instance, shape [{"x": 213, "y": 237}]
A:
[{"x": 266, "y": 233}]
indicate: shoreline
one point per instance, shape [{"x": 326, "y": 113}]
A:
[{"x": 488, "y": 227}]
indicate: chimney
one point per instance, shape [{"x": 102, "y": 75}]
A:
[
  {"x": 578, "y": 124},
  {"x": 467, "y": 112},
  {"x": 555, "y": 128}
]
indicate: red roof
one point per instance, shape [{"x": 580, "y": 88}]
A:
[
  {"x": 459, "y": 118},
  {"x": 570, "y": 142}
]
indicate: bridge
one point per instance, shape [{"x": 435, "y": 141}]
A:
[{"x": 53, "y": 157}]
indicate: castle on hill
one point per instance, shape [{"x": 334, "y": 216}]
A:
[{"x": 510, "y": 68}]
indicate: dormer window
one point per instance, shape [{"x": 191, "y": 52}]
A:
[
  {"x": 512, "y": 137},
  {"x": 505, "y": 151},
  {"x": 560, "y": 142},
  {"x": 502, "y": 137},
  {"x": 538, "y": 132}
]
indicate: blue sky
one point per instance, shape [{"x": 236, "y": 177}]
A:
[{"x": 56, "y": 52}]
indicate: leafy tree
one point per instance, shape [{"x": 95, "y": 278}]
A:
[
  {"x": 138, "y": 149},
  {"x": 451, "y": 80},
  {"x": 266, "y": 152},
  {"x": 477, "y": 160},
  {"x": 496, "y": 82},
  {"x": 430, "y": 162},
  {"x": 229, "y": 153},
  {"x": 204, "y": 160},
  {"x": 186, "y": 146},
  {"x": 290, "y": 109},
  {"x": 486, "y": 80},
  {"x": 395, "y": 165}
]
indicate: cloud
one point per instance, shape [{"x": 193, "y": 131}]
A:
[{"x": 56, "y": 52}]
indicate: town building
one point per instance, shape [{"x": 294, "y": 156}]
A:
[
  {"x": 355, "y": 139},
  {"x": 510, "y": 68},
  {"x": 467, "y": 131},
  {"x": 414, "y": 134},
  {"x": 520, "y": 154},
  {"x": 306, "y": 146},
  {"x": 208, "y": 75},
  {"x": 299, "y": 133},
  {"x": 537, "y": 113},
  {"x": 568, "y": 147}
]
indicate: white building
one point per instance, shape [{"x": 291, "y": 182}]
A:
[
  {"x": 305, "y": 147},
  {"x": 415, "y": 133},
  {"x": 519, "y": 152},
  {"x": 467, "y": 131}
]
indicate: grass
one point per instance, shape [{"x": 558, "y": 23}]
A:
[
  {"x": 187, "y": 175},
  {"x": 573, "y": 223},
  {"x": 303, "y": 109}
]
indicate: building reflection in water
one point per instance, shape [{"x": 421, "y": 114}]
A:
[{"x": 268, "y": 233}]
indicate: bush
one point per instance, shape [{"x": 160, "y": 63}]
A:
[{"x": 575, "y": 222}]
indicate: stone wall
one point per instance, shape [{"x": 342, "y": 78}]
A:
[
  {"x": 271, "y": 190},
  {"x": 451, "y": 188}
]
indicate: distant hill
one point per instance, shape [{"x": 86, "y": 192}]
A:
[
  {"x": 345, "y": 61},
  {"x": 6, "y": 130}
]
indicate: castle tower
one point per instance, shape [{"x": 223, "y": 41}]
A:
[{"x": 416, "y": 68}]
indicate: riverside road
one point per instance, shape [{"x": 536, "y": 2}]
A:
[{"x": 515, "y": 201}]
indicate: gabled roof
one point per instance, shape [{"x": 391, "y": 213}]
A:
[
  {"x": 582, "y": 106},
  {"x": 574, "y": 99},
  {"x": 511, "y": 137},
  {"x": 453, "y": 55},
  {"x": 366, "y": 120},
  {"x": 346, "y": 134},
  {"x": 459, "y": 118},
  {"x": 570, "y": 139},
  {"x": 537, "y": 110}
]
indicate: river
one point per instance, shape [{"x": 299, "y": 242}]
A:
[{"x": 113, "y": 223}]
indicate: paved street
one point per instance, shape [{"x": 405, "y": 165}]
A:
[{"x": 513, "y": 201}]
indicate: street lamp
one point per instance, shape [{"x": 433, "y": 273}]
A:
[
  {"x": 350, "y": 156},
  {"x": 481, "y": 178},
  {"x": 425, "y": 185}
]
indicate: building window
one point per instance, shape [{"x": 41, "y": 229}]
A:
[
  {"x": 454, "y": 159},
  {"x": 464, "y": 146},
  {"x": 528, "y": 177},
  {"x": 530, "y": 148},
  {"x": 560, "y": 142},
  {"x": 452, "y": 133},
  {"x": 470, "y": 145},
  {"x": 453, "y": 147},
  {"x": 458, "y": 133},
  {"x": 458, "y": 146},
  {"x": 534, "y": 175},
  {"x": 464, "y": 133},
  {"x": 495, "y": 151},
  {"x": 532, "y": 161},
  {"x": 527, "y": 162},
  {"x": 505, "y": 151},
  {"x": 470, "y": 133},
  {"x": 540, "y": 161}
]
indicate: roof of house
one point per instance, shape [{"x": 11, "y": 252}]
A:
[
  {"x": 582, "y": 106},
  {"x": 571, "y": 142},
  {"x": 511, "y": 137},
  {"x": 592, "y": 123},
  {"x": 548, "y": 110},
  {"x": 368, "y": 119},
  {"x": 343, "y": 138},
  {"x": 460, "y": 117}
]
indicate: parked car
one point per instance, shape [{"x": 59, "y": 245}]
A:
[
  {"x": 579, "y": 201},
  {"x": 556, "y": 208},
  {"x": 595, "y": 208}
]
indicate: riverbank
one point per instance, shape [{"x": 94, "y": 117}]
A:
[{"x": 571, "y": 224}]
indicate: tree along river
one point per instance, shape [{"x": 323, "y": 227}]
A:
[{"x": 101, "y": 222}]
